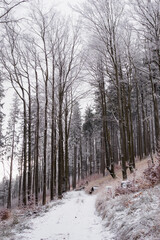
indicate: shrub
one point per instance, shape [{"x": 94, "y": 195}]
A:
[
  {"x": 152, "y": 174},
  {"x": 121, "y": 191},
  {"x": 5, "y": 214}
]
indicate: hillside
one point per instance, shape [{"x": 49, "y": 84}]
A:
[
  {"x": 109, "y": 181},
  {"x": 133, "y": 213}
]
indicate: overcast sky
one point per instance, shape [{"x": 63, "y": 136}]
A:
[{"x": 61, "y": 5}]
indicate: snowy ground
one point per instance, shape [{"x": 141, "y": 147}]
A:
[
  {"x": 73, "y": 218},
  {"x": 132, "y": 216}
]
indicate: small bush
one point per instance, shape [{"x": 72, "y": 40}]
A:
[
  {"x": 15, "y": 220},
  {"x": 131, "y": 189},
  {"x": 5, "y": 214},
  {"x": 152, "y": 174}
]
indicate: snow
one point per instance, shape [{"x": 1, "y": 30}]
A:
[
  {"x": 132, "y": 216},
  {"x": 73, "y": 218},
  {"x": 125, "y": 217}
]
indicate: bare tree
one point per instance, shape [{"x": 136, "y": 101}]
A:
[
  {"x": 147, "y": 14},
  {"x": 6, "y": 7},
  {"x": 68, "y": 66},
  {"x": 104, "y": 18}
]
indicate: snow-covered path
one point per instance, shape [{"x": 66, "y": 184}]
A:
[{"x": 73, "y": 219}]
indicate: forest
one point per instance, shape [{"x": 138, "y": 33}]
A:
[{"x": 46, "y": 59}]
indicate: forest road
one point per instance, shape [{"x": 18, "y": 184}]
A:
[{"x": 73, "y": 218}]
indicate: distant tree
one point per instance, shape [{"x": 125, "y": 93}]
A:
[
  {"x": 11, "y": 137},
  {"x": 75, "y": 138},
  {"x": 88, "y": 130},
  {"x": 98, "y": 135},
  {"x": 68, "y": 112}
]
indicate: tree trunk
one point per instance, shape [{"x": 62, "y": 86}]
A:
[
  {"x": 11, "y": 169},
  {"x": 74, "y": 167},
  {"x": 37, "y": 142},
  {"x": 66, "y": 151},
  {"x": 60, "y": 149},
  {"x": 45, "y": 145},
  {"x": 29, "y": 144},
  {"x": 106, "y": 134},
  {"x": 53, "y": 140},
  {"x": 144, "y": 125},
  {"x": 24, "y": 153}
]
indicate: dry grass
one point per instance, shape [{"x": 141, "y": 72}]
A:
[
  {"x": 5, "y": 215},
  {"x": 102, "y": 182},
  {"x": 132, "y": 216},
  {"x": 134, "y": 213}
]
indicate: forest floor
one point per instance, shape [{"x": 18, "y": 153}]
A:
[
  {"x": 78, "y": 216},
  {"x": 109, "y": 181}
]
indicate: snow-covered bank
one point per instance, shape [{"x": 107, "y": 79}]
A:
[
  {"x": 132, "y": 216},
  {"x": 73, "y": 218}
]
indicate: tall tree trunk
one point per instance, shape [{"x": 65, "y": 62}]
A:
[
  {"x": 102, "y": 168},
  {"x": 90, "y": 156},
  {"x": 37, "y": 142},
  {"x": 29, "y": 143},
  {"x": 46, "y": 76},
  {"x": 66, "y": 151},
  {"x": 24, "y": 153},
  {"x": 20, "y": 181},
  {"x": 144, "y": 125},
  {"x": 128, "y": 121},
  {"x": 106, "y": 134},
  {"x": 81, "y": 160},
  {"x": 74, "y": 167},
  {"x": 122, "y": 130},
  {"x": 131, "y": 130},
  {"x": 60, "y": 148},
  {"x": 139, "y": 129},
  {"x": 11, "y": 170},
  {"x": 45, "y": 145},
  {"x": 53, "y": 140}
]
